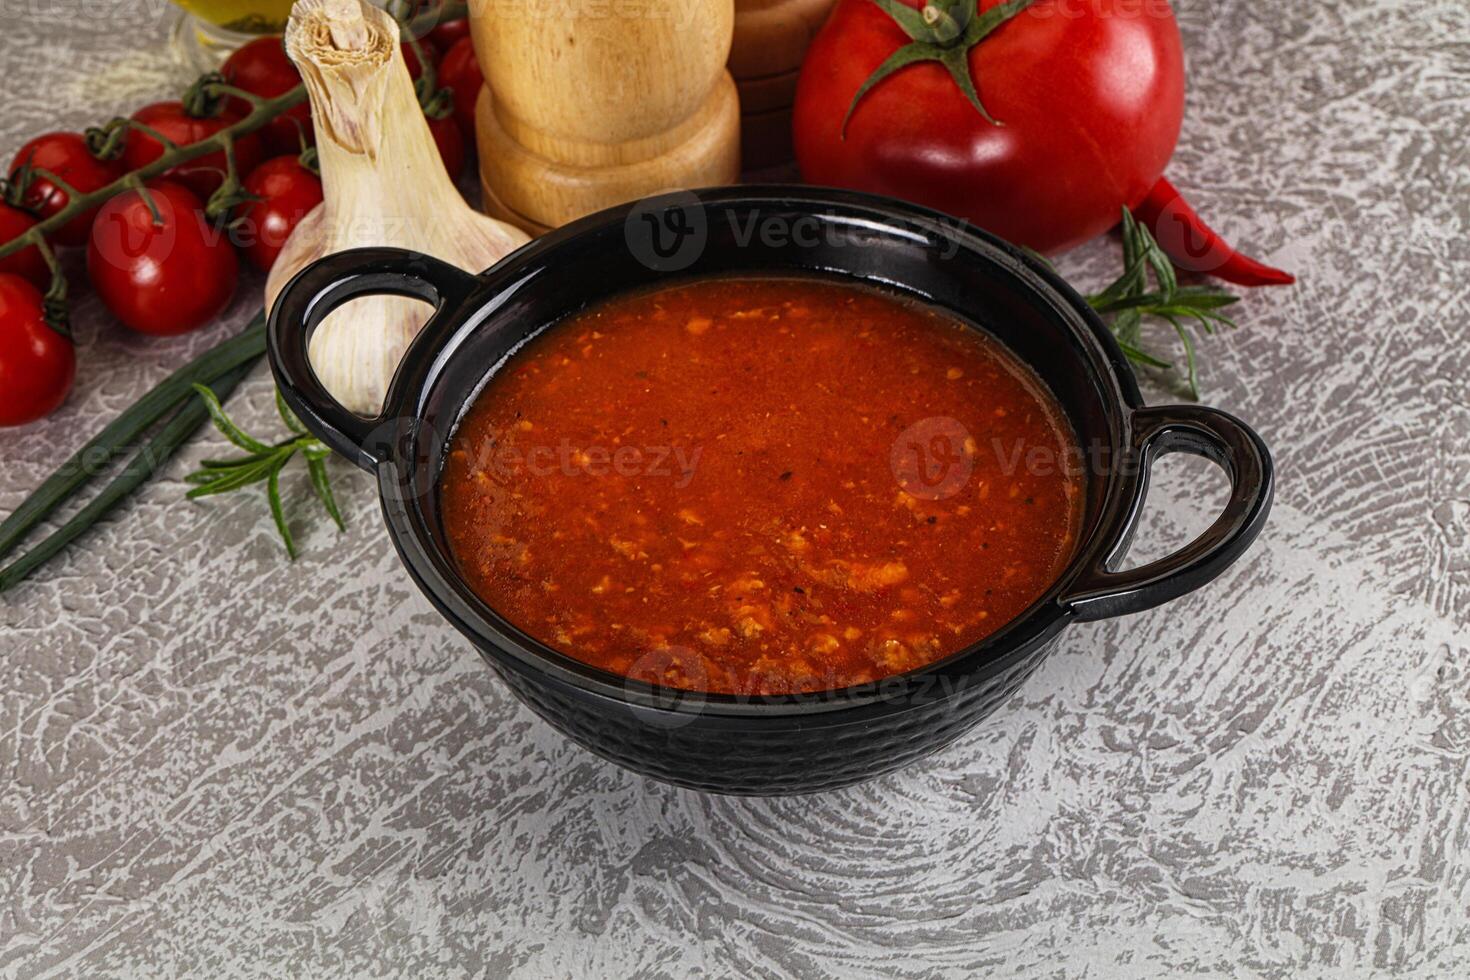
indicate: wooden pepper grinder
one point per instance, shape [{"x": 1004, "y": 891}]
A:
[
  {"x": 771, "y": 38},
  {"x": 590, "y": 105}
]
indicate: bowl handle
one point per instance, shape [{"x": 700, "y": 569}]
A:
[
  {"x": 1157, "y": 431},
  {"x": 319, "y": 289}
]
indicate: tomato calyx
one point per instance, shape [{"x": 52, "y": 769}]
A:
[
  {"x": 14, "y": 191},
  {"x": 439, "y": 105},
  {"x": 16, "y": 188},
  {"x": 207, "y": 98},
  {"x": 55, "y": 311},
  {"x": 309, "y": 161},
  {"x": 204, "y": 99},
  {"x": 942, "y": 31},
  {"x": 231, "y": 194},
  {"x": 54, "y": 308},
  {"x": 105, "y": 142}
]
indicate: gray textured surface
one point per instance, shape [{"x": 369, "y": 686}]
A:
[{"x": 216, "y": 764}]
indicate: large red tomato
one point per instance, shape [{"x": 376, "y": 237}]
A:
[{"x": 1087, "y": 98}]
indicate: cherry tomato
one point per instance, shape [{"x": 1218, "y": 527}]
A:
[
  {"x": 460, "y": 73},
  {"x": 202, "y": 175},
  {"x": 165, "y": 278},
  {"x": 287, "y": 192},
  {"x": 66, "y": 156},
  {"x": 1090, "y": 97},
  {"x": 447, "y": 34},
  {"x": 37, "y": 364},
  {"x": 451, "y": 144},
  {"x": 262, "y": 68},
  {"x": 27, "y": 263}
]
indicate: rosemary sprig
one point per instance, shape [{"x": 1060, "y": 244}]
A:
[
  {"x": 1130, "y": 298},
  {"x": 263, "y": 462}
]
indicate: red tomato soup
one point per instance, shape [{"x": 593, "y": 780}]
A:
[{"x": 762, "y": 486}]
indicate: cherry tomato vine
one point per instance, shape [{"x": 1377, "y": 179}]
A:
[
  {"x": 60, "y": 181},
  {"x": 109, "y": 141}
]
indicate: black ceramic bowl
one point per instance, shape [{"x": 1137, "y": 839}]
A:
[{"x": 766, "y": 745}]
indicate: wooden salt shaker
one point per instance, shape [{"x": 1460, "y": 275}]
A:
[
  {"x": 771, "y": 38},
  {"x": 590, "y": 105}
]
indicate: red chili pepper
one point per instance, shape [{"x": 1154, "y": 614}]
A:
[{"x": 1196, "y": 247}]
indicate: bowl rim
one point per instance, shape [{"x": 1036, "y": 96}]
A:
[{"x": 506, "y": 645}]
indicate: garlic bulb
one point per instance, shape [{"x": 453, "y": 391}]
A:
[{"x": 383, "y": 183}]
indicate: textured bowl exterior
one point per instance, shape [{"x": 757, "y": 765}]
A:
[{"x": 752, "y": 756}]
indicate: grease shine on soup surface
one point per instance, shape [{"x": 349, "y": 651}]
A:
[{"x": 761, "y": 486}]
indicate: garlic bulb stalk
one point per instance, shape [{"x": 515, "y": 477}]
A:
[{"x": 383, "y": 183}]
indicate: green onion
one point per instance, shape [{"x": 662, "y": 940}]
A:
[
  {"x": 115, "y": 439},
  {"x": 222, "y": 368}
]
